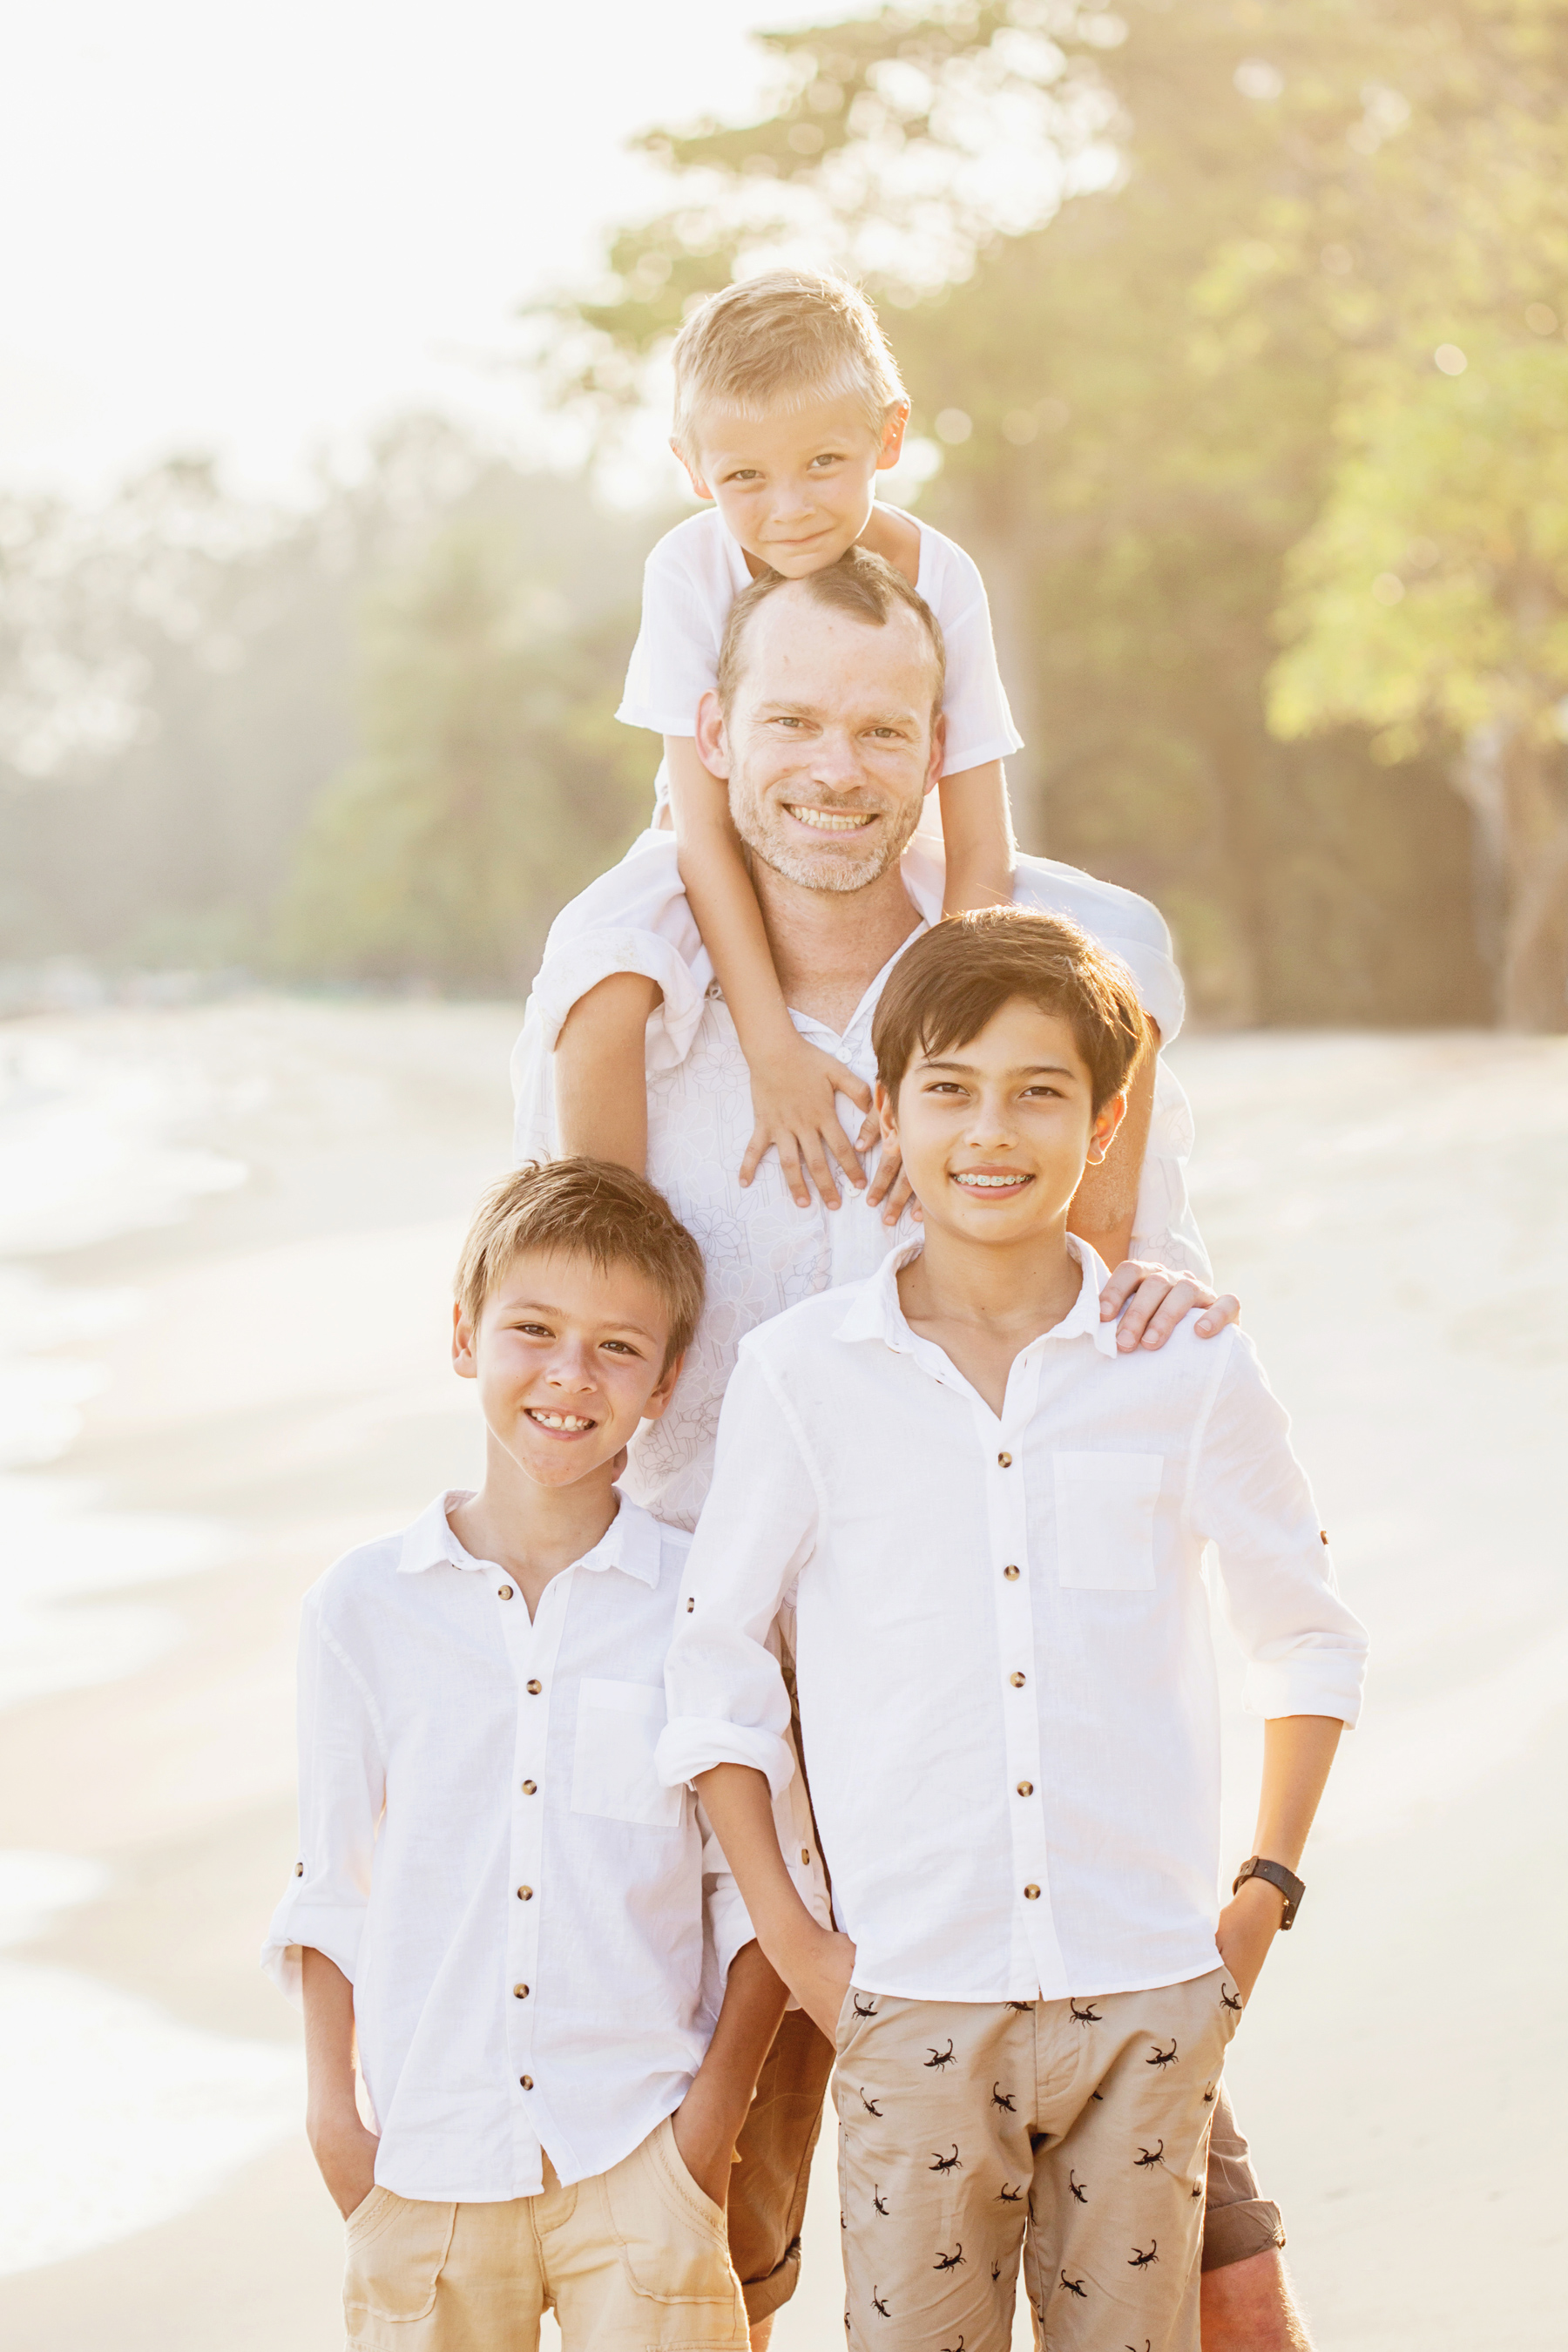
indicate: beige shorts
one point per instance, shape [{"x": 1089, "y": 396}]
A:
[
  {"x": 1073, "y": 2133},
  {"x": 634, "y": 2260}
]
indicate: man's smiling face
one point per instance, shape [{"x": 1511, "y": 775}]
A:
[{"x": 829, "y": 744}]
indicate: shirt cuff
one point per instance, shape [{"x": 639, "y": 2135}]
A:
[
  {"x": 974, "y": 755},
  {"x": 691, "y": 1745},
  {"x": 1317, "y": 1683},
  {"x": 331, "y": 1928},
  {"x": 566, "y": 976}
]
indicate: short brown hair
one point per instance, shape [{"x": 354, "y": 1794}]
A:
[
  {"x": 774, "y": 342},
  {"x": 859, "y": 584},
  {"x": 583, "y": 1208},
  {"x": 956, "y": 979}
]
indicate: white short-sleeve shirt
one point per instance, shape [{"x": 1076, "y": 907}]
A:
[{"x": 694, "y": 575}]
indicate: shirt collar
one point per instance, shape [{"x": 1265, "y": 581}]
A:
[
  {"x": 630, "y": 1542},
  {"x": 876, "y": 1312}
]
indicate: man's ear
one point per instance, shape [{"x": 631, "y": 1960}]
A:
[
  {"x": 658, "y": 1403},
  {"x": 1102, "y": 1134},
  {"x": 937, "y": 747},
  {"x": 893, "y": 447},
  {"x": 692, "y": 476},
  {"x": 465, "y": 1363},
  {"x": 712, "y": 744}
]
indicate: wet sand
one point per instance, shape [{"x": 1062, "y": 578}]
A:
[{"x": 272, "y": 1386}]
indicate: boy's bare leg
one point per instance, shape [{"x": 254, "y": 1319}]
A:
[{"x": 1248, "y": 2306}]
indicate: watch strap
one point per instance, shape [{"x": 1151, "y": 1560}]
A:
[{"x": 1291, "y": 1888}]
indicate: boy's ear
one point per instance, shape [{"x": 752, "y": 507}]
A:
[
  {"x": 664, "y": 1388},
  {"x": 463, "y": 1362},
  {"x": 712, "y": 749},
  {"x": 692, "y": 476},
  {"x": 1102, "y": 1134},
  {"x": 887, "y": 1113},
  {"x": 893, "y": 427}
]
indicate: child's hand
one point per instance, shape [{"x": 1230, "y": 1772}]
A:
[
  {"x": 346, "y": 2152},
  {"x": 890, "y": 1183},
  {"x": 819, "y": 1974},
  {"x": 1151, "y": 1302},
  {"x": 793, "y": 1105},
  {"x": 1247, "y": 1927},
  {"x": 706, "y": 2129}
]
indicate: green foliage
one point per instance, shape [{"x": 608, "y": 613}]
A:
[
  {"x": 493, "y": 782},
  {"x": 1140, "y": 398}
]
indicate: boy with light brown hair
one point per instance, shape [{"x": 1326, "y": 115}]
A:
[{"x": 559, "y": 2007}]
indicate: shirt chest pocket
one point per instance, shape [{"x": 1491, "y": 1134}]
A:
[
  {"x": 613, "y": 1773},
  {"x": 1105, "y": 1520}
]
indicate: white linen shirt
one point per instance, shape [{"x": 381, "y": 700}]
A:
[
  {"x": 762, "y": 1253},
  {"x": 486, "y": 1852},
  {"x": 1002, "y": 1647},
  {"x": 694, "y": 575}
]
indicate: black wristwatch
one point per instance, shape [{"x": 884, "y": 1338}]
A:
[{"x": 1291, "y": 1888}]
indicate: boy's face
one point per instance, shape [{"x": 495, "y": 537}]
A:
[
  {"x": 996, "y": 1132},
  {"x": 569, "y": 1357},
  {"x": 795, "y": 489}
]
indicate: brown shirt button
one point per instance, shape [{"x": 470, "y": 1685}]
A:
[
  {"x": 1017, "y": 1681},
  {"x": 534, "y": 1687},
  {"x": 1005, "y": 1460},
  {"x": 525, "y": 1894},
  {"x": 526, "y": 2081},
  {"x": 1031, "y": 1893},
  {"x": 691, "y": 1603},
  {"x": 298, "y": 1870},
  {"x": 805, "y": 1853},
  {"x": 1010, "y": 1574},
  {"x": 1025, "y": 1788},
  {"x": 530, "y": 1788},
  {"x": 520, "y": 1992},
  {"x": 503, "y": 1593}
]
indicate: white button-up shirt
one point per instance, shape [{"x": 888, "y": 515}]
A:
[
  {"x": 763, "y": 1253},
  {"x": 488, "y": 1854},
  {"x": 1006, "y": 1674}
]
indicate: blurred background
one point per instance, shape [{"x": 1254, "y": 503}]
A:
[{"x": 334, "y": 390}]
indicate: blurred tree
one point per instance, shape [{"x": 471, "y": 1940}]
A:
[
  {"x": 177, "y": 683},
  {"x": 1131, "y": 349},
  {"x": 491, "y": 782}
]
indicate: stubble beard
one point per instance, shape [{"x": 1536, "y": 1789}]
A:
[{"x": 761, "y": 829}]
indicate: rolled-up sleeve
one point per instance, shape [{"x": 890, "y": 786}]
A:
[
  {"x": 343, "y": 1792},
  {"x": 1305, "y": 1651},
  {"x": 727, "y": 1700}
]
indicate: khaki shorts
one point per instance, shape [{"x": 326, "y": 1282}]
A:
[
  {"x": 1072, "y": 2134},
  {"x": 768, "y": 2185},
  {"x": 633, "y": 2259}
]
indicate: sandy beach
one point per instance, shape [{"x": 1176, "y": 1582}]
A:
[{"x": 225, "y": 1235}]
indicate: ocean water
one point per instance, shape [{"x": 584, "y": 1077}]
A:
[{"x": 117, "y": 2114}]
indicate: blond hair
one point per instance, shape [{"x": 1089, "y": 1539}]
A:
[
  {"x": 776, "y": 341},
  {"x": 583, "y": 1208}
]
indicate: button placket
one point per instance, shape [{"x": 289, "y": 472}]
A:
[
  {"x": 532, "y": 1649},
  {"x": 1037, "y": 1955}
]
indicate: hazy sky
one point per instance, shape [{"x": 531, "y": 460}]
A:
[{"x": 257, "y": 230}]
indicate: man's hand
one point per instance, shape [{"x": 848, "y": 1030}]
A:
[
  {"x": 345, "y": 2153},
  {"x": 1150, "y": 1302},
  {"x": 818, "y": 1968},
  {"x": 794, "y": 1108},
  {"x": 1247, "y": 1927}
]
